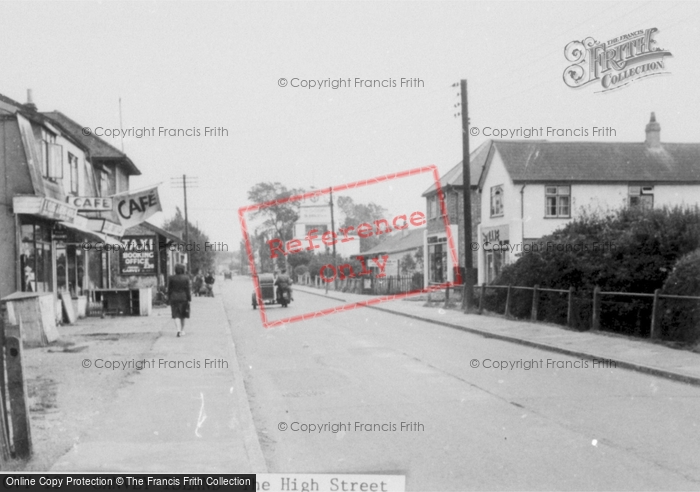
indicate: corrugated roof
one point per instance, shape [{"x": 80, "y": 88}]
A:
[
  {"x": 98, "y": 148},
  {"x": 398, "y": 242},
  {"x": 454, "y": 176},
  {"x": 599, "y": 161}
]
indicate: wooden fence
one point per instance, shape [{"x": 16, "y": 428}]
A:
[
  {"x": 396, "y": 284},
  {"x": 578, "y": 310}
]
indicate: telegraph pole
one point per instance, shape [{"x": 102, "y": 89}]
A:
[
  {"x": 468, "y": 297},
  {"x": 184, "y": 182},
  {"x": 335, "y": 280}
]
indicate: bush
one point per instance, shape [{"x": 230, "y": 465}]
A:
[
  {"x": 681, "y": 318},
  {"x": 301, "y": 270},
  {"x": 626, "y": 251}
]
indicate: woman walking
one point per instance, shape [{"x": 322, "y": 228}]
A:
[{"x": 179, "y": 295}]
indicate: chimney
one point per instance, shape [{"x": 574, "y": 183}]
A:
[
  {"x": 653, "y": 133},
  {"x": 30, "y": 103}
]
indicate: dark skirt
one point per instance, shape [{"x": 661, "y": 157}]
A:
[{"x": 180, "y": 309}]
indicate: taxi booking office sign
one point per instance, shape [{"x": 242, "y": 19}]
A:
[{"x": 137, "y": 255}]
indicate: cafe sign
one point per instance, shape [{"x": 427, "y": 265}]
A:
[
  {"x": 91, "y": 203},
  {"x": 137, "y": 255}
]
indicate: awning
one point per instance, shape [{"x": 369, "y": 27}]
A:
[{"x": 91, "y": 235}]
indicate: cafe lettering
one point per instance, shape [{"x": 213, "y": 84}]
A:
[
  {"x": 135, "y": 208},
  {"x": 137, "y": 256}
]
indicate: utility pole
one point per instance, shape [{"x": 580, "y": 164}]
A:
[
  {"x": 333, "y": 229},
  {"x": 192, "y": 183},
  {"x": 468, "y": 297}
]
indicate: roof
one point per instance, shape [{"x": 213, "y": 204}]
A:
[
  {"x": 98, "y": 148},
  {"x": 398, "y": 242},
  {"x": 162, "y": 232},
  {"x": 538, "y": 161},
  {"x": 454, "y": 177}
]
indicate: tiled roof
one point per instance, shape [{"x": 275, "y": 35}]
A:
[
  {"x": 599, "y": 161},
  {"x": 398, "y": 242},
  {"x": 98, "y": 148},
  {"x": 454, "y": 177}
]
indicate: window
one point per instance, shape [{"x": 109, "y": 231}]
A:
[
  {"x": 432, "y": 207},
  {"x": 51, "y": 157},
  {"x": 496, "y": 201},
  {"x": 73, "y": 166},
  {"x": 641, "y": 197},
  {"x": 557, "y": 201},
  {"x": 104, "y": 183}
]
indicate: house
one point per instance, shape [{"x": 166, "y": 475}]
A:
[
  {"x": 395, "y": 247},
  {"x": 531, "y": 188},
  {"x": 438, "y": 264}
]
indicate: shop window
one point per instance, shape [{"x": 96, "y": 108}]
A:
[
  {"x": 70, "y": 269},
  {"x": 496, "y": 201},
  {"x": 641, "y": 197},
  {"x": 35, "y": 258},
  {"x": 494, "y": 263},
  {"x": 558, "y": 201}
]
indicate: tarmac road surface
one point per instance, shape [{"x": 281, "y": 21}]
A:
[{"x": 365, "y": 391}]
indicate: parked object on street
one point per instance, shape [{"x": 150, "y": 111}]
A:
[
  {"x": 270, "y": 293},
  {"x": 36, "y": 311}
]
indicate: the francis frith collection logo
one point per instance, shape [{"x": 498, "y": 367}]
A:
[{"x": 615, "y": 63}]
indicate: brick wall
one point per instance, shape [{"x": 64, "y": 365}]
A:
[{"x": 454, "y": 203}]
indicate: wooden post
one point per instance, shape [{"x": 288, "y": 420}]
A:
[
  {"x": 535, "y": 302},
  {"x": 595, "y": 319},
  {"x": 21, "y": 434},
  {"x": 508, "y": 301},
  {"x": 655, "y": 328},
  {"x": 570, "y": 308},
  {"x": 5, "y": 444},
  {"x": 481, "y": 298}
]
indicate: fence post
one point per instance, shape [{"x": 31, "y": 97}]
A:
[
  {"x": 17, "y": 389},
  {"x": 595, "y": 319},
  {"x": 535, "y": 302},
  {"x": 655, "y": 328},
  {"x": 481, "y": 297},
  {"x": 508, "y": 301},
  {"x": 570, "y": 308}
]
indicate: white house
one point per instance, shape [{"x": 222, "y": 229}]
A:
[{"x": 531, "y": 188}]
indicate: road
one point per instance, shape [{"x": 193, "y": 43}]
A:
[{"x": 480, "y": 428}]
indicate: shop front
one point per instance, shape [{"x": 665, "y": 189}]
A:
[{"x": 494, "y": 251}]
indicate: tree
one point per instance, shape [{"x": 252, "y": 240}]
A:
[
  {"x": 358, "y": 213},
  {"x": 279, "y": 218},
  {"x": 200, "y": 258},
  {"x": 408, "y": 263}
]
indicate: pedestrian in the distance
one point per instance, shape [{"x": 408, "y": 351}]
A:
[{"x": 179, "y": 296}]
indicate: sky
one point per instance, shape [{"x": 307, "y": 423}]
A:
[{"x": 191, "y": 65}]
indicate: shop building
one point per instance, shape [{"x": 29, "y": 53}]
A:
[
  {"x": 439, "y": 266},
  {"x": 47, "y": 167}
]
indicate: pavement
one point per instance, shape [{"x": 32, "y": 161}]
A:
[
  {"x": 626, "y": 352},
  {"x": 189, "y": 419}
]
